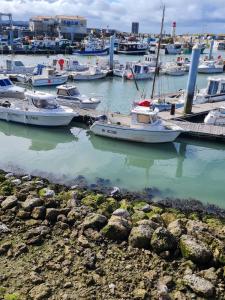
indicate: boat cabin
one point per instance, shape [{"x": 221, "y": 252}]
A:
[
  {"x": 143, "y": 115},
  {"x": 140, "y": 68},
  {"x": 216, "y": 86},
  {"x": 5, "y": 82},
  {"x": 41, "y": 100},
  {"x": 14, "y": 65},
  {"x": 67, "y": 91}
]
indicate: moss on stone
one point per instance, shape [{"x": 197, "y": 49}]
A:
[
  {"x": 194, "y": 216},
  {"x": 125, "y": 204},
  {"x": 156, "y": 209},
  {"x": 6, "y": 188},
  {"x": 138, "y": 216},
  {"x": 64, "y": 196},
  {"x": 108, "y": 206},
  {"x": 139, "y": 204},
  {"x": 93, "y": 200},
  {"x": 13, "y": 296}
]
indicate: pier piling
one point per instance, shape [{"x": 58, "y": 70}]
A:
[
  {"x": 192, "y": 79},
  {"x": 211, "y": 49},
  {"x": 111, "y": 51}
]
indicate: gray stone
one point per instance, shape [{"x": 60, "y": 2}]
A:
[
  {"x": 31, "y": 202},
  {"x": 95, "y": 221},
  {"x": 9, "y": 175},
  {"x": 194, "y": 250},
  {"x": 38, "y": 212},
  {"x": 40, "y": 292},
  {"x": 4, "y": 228},
  {"x": 140, "y": 236},
  {"x": 16, "y": 181},
  {"x": 199, "y": 285},
  {"x": 9, "y": 202},
  {"x": 162, "y": 240},
  {"x": 177, "y": 227},
  {"x": 52, "y": 214},
  {"x": 26, "y": 178},
  {"x": 120, "y": 212},
  {"x": 118, "y": 228},
  {"x": 46, "y": 192},
  {"x": 38, "y": 231}
]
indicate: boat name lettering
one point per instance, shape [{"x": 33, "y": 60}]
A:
[
  {"x": 31, "y": 118},
  {"x": 112, "y": 131}
]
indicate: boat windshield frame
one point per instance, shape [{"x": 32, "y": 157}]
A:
[
  {"x": 44, "y": 103},
  {"x": 4, "y": 81}
]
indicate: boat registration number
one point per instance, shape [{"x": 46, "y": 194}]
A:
[
  {"x": 110, "y": 131},
  {"x": 31, "y": 118}
]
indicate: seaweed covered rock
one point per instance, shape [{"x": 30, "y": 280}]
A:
[
  {"x": 199, "y": 285},
  {"x": 40, "y": 292},
  {"x": 117, "y": 229},
  {"x": 163, "y": 240},
  {"x": 95, "y": 221},
  {"x": 107, "y": 206},
  {"x": 93, "y": 200},
  {"x": 177, "y": 227},
  {"x": 140, "y": 236},
  {"x": 194, "y": 250}
]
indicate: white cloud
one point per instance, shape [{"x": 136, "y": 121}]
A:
[{"x": 191, "y": 15}]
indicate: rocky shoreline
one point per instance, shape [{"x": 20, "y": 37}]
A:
[{"x": 66, "y": 243}]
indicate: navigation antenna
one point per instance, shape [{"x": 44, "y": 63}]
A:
[{"x": 158, "y": 51}]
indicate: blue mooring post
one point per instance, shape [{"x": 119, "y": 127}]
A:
[
  {"x": 111, "y": 51},
  {"x": 192, "y": 76},
  {"x": 211, "y": 49}
]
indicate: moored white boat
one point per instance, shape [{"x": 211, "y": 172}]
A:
[
  {"x": 36, "y": 109},
  {"x": 46, "y": 76},
  {"x": 9, "y": 90},
  {"x": 143, "y": 125},
  {"x": 16, "y": 67},
  {"x": 211, "y": 67},
  {"x": 173, "y": 70},
  {"x": 139, "y": 71},
  {"x": 214, "y": 92},
  {"x": 216, "y": 117},
  {"x": 69, "y": 95},
  {"x": 92, "y": 73}
]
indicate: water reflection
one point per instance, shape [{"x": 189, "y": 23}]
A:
[{"x": 42, "y": 139}]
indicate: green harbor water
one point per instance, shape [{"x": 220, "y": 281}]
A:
[{"x": 185, "y": 169}]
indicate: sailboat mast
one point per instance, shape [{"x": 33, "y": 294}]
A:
[{"x": 158, "y": 51}]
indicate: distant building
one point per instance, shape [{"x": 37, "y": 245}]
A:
[
  {"x": 135, "y": 27},
  {"x": 70, "y": 27}
]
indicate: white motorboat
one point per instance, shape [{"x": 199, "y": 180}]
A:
[
  {"x": 69, "y": 64},
  {"x": 139, "y": 71},
  {"x": 92, "y": 73},
  {"x": 45, "y": 76},
  {"x": 36, "y": 109},
  {"x": 69, "y": 95},
  {"x": 143, "y": 125},
  {"x": 216, "y": 117},
  {"x": 211, "y": 67},
  {"x": 214, "y": 92},
  {"x": 9, "y": 90},
  {"x": 173, "y": 70},
  {"x": 172, "y": 49},
  {"x": 151, "y": 60},
  {"x": 16, "y": 67}
]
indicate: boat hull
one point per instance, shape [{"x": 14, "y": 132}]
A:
[
  {"x": 134, "y": 135},
  {"x": 48, "y": 82},
  {"x": 137, "y": 52},
  {"x": 32, "y": 118},
  {"x": 75, "y": 104},
  {"x": 88, "y": 77},
  {"x": 92, "y": 53},
  {"x": 210, "y": 70},
  {"x": 167, "y": 106},
  {"x": 143, "y": 76}
]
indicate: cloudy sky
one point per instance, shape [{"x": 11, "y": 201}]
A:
[{"x": 191, "y": 15}]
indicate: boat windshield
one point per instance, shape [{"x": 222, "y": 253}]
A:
[
  {"x": 146, "y": 119},
  {"x": 45, "y": 104},
  {"x": 5, "y": 82},
  {"x": 74, "y": 92}
]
